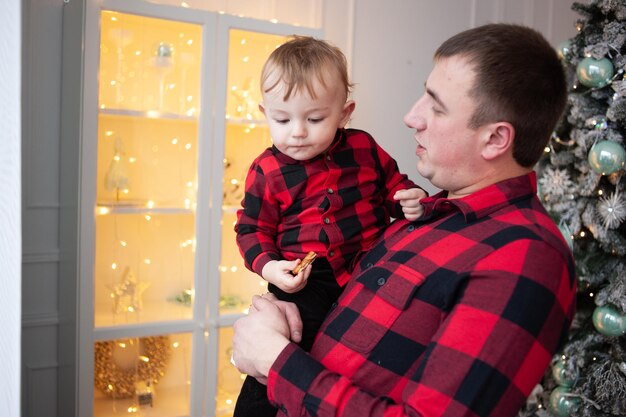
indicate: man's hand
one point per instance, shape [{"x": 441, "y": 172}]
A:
[
  {"x": 263, "y": 334},
  {"x": 279, "y": 274},
  {"x": 410, "y": 202}
]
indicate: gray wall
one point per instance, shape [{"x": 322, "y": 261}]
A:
[{"x": 390, "y": 44}]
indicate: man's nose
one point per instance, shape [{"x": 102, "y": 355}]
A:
[{"x": 414, "y": 119}]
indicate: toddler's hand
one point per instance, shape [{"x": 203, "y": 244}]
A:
[
  {"x": 279, "y": 274},
  {"x": 410, "y": 202}
]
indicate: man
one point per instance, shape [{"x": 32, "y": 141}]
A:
[{"x": 460, "y": 312}]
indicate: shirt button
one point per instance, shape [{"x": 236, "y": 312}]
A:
[
  {"x": 333, "y": 305},
  {"x": 330, "y": 191},
  {"x": 331, "y": 253},
  {"x": 328, "y": 157},
  {"x": 369, "y": 265},
  {"x": 411, "y": 228},
  {"x": 326, "y": 220},
  {"x": 381, "y": 281}
]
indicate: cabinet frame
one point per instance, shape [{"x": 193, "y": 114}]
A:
[{"x": 77, "y": 331}]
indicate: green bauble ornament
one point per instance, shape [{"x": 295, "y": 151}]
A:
[
  {"x": 561, "y": 378},
  {"x": 595, "y": 73},
  {"x": 607, "y": 157},
  {"x": 561, "y": 404},
  {"x": 563, "y": 49},
  {"x": 609, "y": 321},
  {"x": 567, "y": 235}
]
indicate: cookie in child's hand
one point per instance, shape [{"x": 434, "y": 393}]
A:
[{"x": 308, "y": 259}]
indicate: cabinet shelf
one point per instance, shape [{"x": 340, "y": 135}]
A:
[
  {"x": 148, "y": 114},
  {"x": 121, "y": 208}
]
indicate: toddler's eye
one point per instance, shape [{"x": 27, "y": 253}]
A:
[
  {"x": 316, "y": 120},
  {"x": 281, "y": 121}
]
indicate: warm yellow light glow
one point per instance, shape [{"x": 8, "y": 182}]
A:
[
  {"x": 174, "y": 141},
  {"x": 171, "y": 86},
  {"x": 113, "y": 18},
  {"x": 600, "y": 192},
  {"x": 274, "y": 20},
  {"x": 123, "y": 243},
  {"x": 175, "y": 345},
  {"x": 187, "y": 203},
  {"x": 113, "y": 266},
  {"x": 113, "y": 82},
  {"x": 116, "y": 158},
  {"x": 247, "y": 130},
  {"x": 229, "y": 401},
  {"x": 147, "y": 261},
  {"x": 153, "y": 114},
  {"x": 246, "y": 59},
  {"x": 233, "y": 269},
  {"x": 223, "y": 268},
  {"x": 188, "y": 146},
  {"x": 131, "y": 309},
  {"x": 103, "y": 210},
  {"x": 147, "y": 217},
  {"x": 546, "y": 149},
  {"x": 190, "y": 42},
  {"x": 150, "y": 204},
  {"x": 184, "y": 4},
  {"x": 582, "y": 234},
  {"x": 108, "y": 133},
  {"x": 234, "y": 181},
  {"x": 137, "y": 53},
  {"x": 252, "y": 125},
  {"x": 591, "y": 294},
  {"x": 243, "y": 41},
  {"x": 122, "y": 345},
  {"x": 125, "y": 191},
  {"x": 144, "y": 358},
  {"x": 132, "y": 409},
  {"x": 189, "y": 184}
]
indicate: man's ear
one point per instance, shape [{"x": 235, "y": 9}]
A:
[
  {"x": 346, "y": 113},
  {"x": 498, "y": 140}
]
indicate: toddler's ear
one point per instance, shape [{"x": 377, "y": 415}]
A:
[
  {"x": 261, "y": 108},
  {"x": 346, "y": 113}
]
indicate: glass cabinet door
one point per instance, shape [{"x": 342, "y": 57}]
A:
[{"x": 145, "y": 225}]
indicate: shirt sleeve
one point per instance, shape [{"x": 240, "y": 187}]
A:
[
  {"x": 257, "y": 222},
  {"x": 486, "y": 356},
  {"x": 393, "y": 181}
]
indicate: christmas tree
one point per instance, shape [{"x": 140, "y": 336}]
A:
[{"x": 582, "y": 183}]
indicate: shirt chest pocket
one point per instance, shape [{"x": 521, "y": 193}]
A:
[{"x": 373, "y": 305}]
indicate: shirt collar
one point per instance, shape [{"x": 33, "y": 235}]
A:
[
  {"x": 340, "y": 138},
  {"x": 482, "y": 202}
]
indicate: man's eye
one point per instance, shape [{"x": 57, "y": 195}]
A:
[{"x": 437, "y": 111}]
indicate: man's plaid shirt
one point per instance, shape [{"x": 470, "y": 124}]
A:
[
  {"x": 458, "y": 314},
  {"x": 336, "y": 204}
]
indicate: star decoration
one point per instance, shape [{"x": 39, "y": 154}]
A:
[
  {"x": 127, "y": 293},
  {"x": 612, "y": 210}
]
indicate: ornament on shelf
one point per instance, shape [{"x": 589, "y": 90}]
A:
[
  {"x": 606, "y": 157},
  {"x": 163, "y": 56},
  {"x": 144, "y": 394},
  {"x": 127, "y": 293},
  {"x": 233, "y": 186},
  {"x": 612, "y": 210},
  {"x": 561, "y": 376},
  {"x": 563, "y": 403},
  {"x": 230, "y": 301},
  {"x": 595, "y": 73},
  {"x": 184, "y": 298},
  {"x": 609, "y": 321},
  {"x": 148, "y": 360},
  {"x": 245, "y": 106},
  {"x": 116, "y": 177}
]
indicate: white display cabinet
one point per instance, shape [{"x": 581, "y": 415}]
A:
[{"x": 160, "y": 123}]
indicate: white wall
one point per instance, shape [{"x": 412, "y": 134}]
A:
[{"x": 10, "y": 205}]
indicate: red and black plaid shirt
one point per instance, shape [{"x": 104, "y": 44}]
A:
[
  {"x": 336, "y": 204},
  {"x": 458, "y": 314}
]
